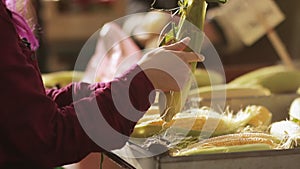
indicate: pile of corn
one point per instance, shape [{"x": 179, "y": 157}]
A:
[
  {"x": 204, "y": 131},
  {"x": 250, "y": 129}
]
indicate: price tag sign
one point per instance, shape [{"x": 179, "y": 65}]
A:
[{"x": 252, "y": 19}]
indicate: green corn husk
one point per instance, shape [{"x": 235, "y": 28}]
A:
[{"x": 192, "y": 17}]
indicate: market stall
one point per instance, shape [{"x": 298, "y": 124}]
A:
[{"x": 227, "y": 117}]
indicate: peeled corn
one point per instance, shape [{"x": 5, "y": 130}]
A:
[
  {"x": 230, "y": 143},
  {"x": 223, "y": 149},
  {"x": 237, "y": 139},
  {"x": 261, "y": 116}
]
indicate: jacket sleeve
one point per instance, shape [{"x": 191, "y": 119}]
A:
[
  {"x": 42, "y": 130},
  {"x": 64, "y": 96}
]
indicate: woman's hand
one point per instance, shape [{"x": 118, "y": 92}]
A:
[{"x": 168, "y": 67}]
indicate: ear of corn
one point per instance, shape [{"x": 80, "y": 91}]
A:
[
  {"x": 237, "y": 139},
  {"x": 253, "y": 76},
  {"x": 282, "y": 82},
  {"x": 220, "y": 91},
  {"x": 223, "y": 149},
  {"x": 261, "y": 116},
  {"x": 230, "y": 143},
  {"x": 276, "y": 78},
  {"x": 193, "y": 14},
  {"x": 202, "y": 122},
  {"x": 146, "y": 131},
  {"x": 206, "y": 77}
]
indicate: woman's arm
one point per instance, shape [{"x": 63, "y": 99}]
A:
[{"x": 38, "y": 130}]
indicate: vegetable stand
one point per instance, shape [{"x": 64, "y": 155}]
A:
[{"x": 133, "y": 154}]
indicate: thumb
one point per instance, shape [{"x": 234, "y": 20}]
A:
[{"x": 178, "y": 46}]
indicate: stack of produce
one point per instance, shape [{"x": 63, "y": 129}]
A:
[
  {"x": 250, "y": 129},
  {"x": 266, "y": 81},
  {"x": 61, "y": 78},
  {"x": 283, "y": 134},
  {"x": 203, "y": 122}
]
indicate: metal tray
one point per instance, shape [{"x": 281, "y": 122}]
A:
[{"x": 137, "y": 157}]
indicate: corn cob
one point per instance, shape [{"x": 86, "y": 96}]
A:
[
  {"x": 237, "y": 139},
  {"x": 220, "y": 91},
  {"x": 222, "y": 149},
  {"x": 206, "y": 77},
  {"x": 276, "y": 78},
  {"x": 193, "y": 12},
  {"x": 261, "y": 116},
  {"x": 231, "y": 143},
  {"x": 260, "y": 73},
  {"x": 203, "y": 121},
  {"x": 282, "y": 82},
  {"x": 191, "y": 125}
]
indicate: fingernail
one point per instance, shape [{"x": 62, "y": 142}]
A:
[
  {"x": 201, "y": 57},
  {"x": 186, "y": 40}
]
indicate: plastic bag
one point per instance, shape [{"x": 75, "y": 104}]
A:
[{"x": 115, "y": 53}]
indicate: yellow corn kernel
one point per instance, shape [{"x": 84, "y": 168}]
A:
[
  {"x": 222, "y": 149},
  {"x": 237, "y": 139},
  {"x": 262, "y": 116}
]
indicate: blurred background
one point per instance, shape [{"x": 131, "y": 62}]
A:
[{"x": 65, "y": 25}]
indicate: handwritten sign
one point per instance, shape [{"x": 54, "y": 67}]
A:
[{"x": 252, "y": 19}]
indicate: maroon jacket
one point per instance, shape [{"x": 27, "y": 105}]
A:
[{"x": 40, "y": 127}]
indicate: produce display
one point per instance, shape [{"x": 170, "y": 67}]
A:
[
  {"x": 193, "y": 122},
  {"x": 196, "y": 129},
  {"x": 202, "y": 130},
  {"x": 207, "y": 131}
]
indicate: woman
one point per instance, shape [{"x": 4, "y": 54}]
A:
[{"x": 40, "y": 129}]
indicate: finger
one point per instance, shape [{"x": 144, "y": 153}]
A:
[
  {"x": 189, "y": 57},
  {"x": 178, "y": 46}
]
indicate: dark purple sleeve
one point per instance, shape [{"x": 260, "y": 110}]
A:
[
  {"x": 74, "y": 121},
  {"x": 64, "y": 96}
]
